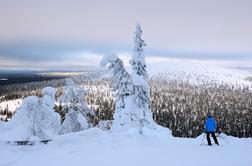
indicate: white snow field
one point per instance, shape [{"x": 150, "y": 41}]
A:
[
  {"x": 94, "y": 147},
  {"x": 11, "y": 104},
  {"x": 197, "y": 72}
]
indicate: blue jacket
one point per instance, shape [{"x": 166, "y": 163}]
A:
[{"x": 210, "y": 124}]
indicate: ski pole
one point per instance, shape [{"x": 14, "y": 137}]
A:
[
  {"x": 203, "y": 139},
  {"x": 223, "y": 139}
]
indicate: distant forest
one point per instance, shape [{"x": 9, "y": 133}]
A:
[
  {"x": 176, "y": 104},
  {"x": 22, "y": 78}
]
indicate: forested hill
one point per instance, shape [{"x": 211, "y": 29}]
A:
[{"x": 181, "y": 97}]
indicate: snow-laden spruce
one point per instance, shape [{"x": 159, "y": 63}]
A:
[
  {"x": 124, "y": 116},
  {"x": 138, "y": 58},
  {"x": 75, "y": 108},
  {"x": 141, "y": 89},
  {"x": 132, "y": 91},
  {"x": 35, "y": 117}
]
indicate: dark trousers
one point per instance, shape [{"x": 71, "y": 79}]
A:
[{"x": 214, "y": 137}]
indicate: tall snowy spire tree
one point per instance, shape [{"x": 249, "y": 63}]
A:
[
  {"x": 132, "y": 91},
  {"x": 141, "y": 89}
]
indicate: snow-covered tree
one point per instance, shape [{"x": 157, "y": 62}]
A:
[
  {"x": 122, "y": 86},
  {"x": 37, "y": 117},
  {"x": 138, "y": 58},
  {"x": 76, "y": 110},
  {"x": 122, "y": 83},
  {"x": 50, "y": 120},
  {"x": 132, "y": 92},
  {"x": 141, "y": 89}
]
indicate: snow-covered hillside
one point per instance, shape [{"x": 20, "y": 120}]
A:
[
  {"x": 197, "y": 72},
  {"x": 11, "y": 104},
  {"x": 96, "y": 147}
]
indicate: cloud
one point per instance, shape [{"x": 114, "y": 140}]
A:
[
  {"x": 190, "y": 26},
  {"x": 70, "y": 57}
]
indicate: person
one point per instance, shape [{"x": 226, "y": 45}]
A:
[{"x": 210, "y": 127}]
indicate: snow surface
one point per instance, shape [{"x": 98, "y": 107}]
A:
[
  {"x": 197, "y": 72},
  {"x": 96, "y": 147},
  {"x": 12, "y": 104}
]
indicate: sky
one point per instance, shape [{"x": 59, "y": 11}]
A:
[{"x": 63, "y": 34}]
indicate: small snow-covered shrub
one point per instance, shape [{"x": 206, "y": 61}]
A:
[
  {"x": 36, "y": 117},
  {"x": 76, "y": 110},
  {"x": 105, "y": 124}
]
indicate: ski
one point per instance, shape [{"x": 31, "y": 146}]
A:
[{"x": 23, "y": 143}]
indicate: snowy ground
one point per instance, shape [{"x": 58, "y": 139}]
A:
[
  {"x": 95, "y": 147},
  {"x": 197, "y": 72},
  {"x": 11, "y": 104}
]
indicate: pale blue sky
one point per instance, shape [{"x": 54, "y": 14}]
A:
[{"x": 59, "y": 33}]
